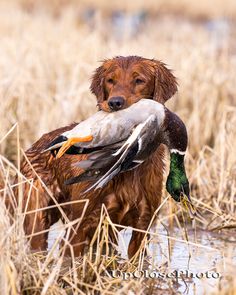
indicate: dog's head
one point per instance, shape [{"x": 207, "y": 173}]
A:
[{"x": 121, "y": 81}]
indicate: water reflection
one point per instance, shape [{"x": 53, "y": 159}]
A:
[
  {"x": 199, "y": 260},
  {"x": 206, "y": 253}
]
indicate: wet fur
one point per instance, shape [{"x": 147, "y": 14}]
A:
[{"x": 132, "y": 197}]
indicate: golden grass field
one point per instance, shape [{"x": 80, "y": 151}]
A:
[{"x": 48, "y": 52}]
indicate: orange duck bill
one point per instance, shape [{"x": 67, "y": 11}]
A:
[{"x": 72, "y": 141}]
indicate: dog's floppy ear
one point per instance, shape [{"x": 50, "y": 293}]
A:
[
  {"x": 165, "y": 82},
  {"x": 97, "y": 84}
]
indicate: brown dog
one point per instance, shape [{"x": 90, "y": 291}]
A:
[{"x": 130, "y": 198}]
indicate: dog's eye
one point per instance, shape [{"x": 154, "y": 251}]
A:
[
  {"x": 139, "y": 81},
  {"x": 110, "y": 81}
]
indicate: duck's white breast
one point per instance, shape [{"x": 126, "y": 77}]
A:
[{"x": 108, "y": 128}]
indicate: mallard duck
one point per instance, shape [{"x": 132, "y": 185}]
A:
[{"x": 120, "y": 141}]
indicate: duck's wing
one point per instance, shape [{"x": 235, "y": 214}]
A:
[
  {"x": 96, "y": 165},
  {"x": 103, "y": 166}
]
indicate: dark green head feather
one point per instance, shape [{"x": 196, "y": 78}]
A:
[{"x": 177, "y": 182}]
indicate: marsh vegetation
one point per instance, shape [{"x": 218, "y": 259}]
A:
[{"x": 48, "y": 52}]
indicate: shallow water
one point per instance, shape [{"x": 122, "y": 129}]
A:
[{"x": 207, "y": 254}]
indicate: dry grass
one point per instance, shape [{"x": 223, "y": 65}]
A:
[
  {"x": 46, "y": 60},
  {"x": 202, "y": 9}
]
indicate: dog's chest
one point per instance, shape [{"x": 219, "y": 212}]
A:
[{"x": 146, "y": 181}]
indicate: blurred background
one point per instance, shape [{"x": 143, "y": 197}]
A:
[{"x": 49, "y": 50}]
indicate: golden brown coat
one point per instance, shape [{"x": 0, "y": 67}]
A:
[{"x": 132, "y": 197}]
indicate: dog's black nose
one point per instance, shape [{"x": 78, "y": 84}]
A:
[{"x": 116, "y": 103}]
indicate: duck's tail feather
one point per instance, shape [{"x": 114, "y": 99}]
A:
[{"x": 55, "y": 144}]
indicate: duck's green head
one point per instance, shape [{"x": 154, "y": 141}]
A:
[{"x": 177, "y": 182}]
